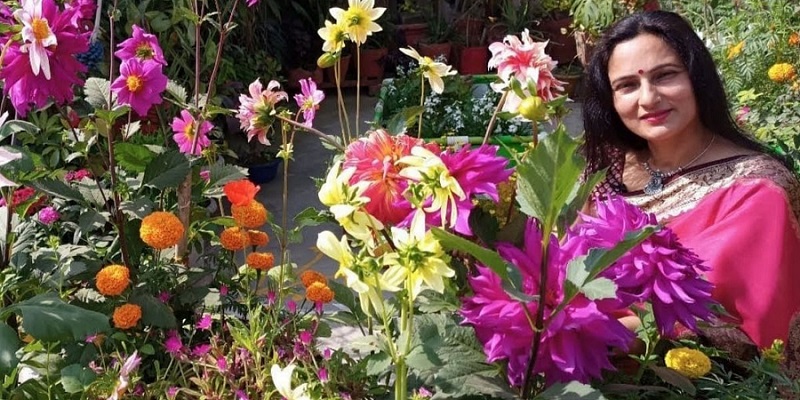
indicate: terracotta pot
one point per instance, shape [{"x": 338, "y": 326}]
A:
[
  {"x": 573, "y": 83},
  {"x": 372, "y": 63},
  {"x": 562, "y": 45},
  {"x": 584, "y": 43},
  {"x": 413, "y": 33},
  {"x": 296, "y": 74},
  {"x": 434, "y": 50},
  {"x": 330, "y": 73},
  {"x": 474, "y": 60},
  {"x": 471, "y": 29}
]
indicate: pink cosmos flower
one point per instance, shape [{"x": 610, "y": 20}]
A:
[
  {"x": 525, "y": 61},
  {"x": 204, "y": 323},
  {"x": 255, "y": 111},
  {"x": 42, "y": 67},
  {"x": 173, "y": 343},
  {"x": 375, "y": 160},
  {"x": 185, "y": 128},
  {"x": 308, "y": 99},
  {"x": 48, "y": 215},
  {"x": 575, "y": 342},
  {"x": 141, "y": 45},
  {"x": 660, "y": 270},
  {"x": 140, "y": 84}
]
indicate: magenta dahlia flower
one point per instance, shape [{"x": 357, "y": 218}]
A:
[
  {"x": 308, "y": 99},
  {"x": 659, "y": 270},
  {"x": 575, "y": 341},
  {"x": 140, "y": 84},
  {"x": 186, "y": 129},
  {"x": 255, "y": 111},
  {"x": 42, "y": 67},
  {"x": 141, "y": 45}
]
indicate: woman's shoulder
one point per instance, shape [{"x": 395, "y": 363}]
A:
[{"x": 764, "y": 167}]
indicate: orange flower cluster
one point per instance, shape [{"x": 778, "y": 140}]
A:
[
  {"x": 258, "y": 238},
  {"x": 234, "y": 238},
  {"x": 112, "y": 280},
  {"x": 161, "y": 230},
  {"x": 251, "y": 215},
  {"x": 319, "y": 292},
  {"x": 260, "y": 261},
  {"x": 127, "y": 316},
  {"x": 310, "y": 277}
]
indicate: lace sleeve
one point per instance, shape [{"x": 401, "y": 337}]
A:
[{"x": 612, "y": 183}]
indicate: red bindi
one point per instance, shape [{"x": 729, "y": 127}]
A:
[{"x": 641, "y": 72}]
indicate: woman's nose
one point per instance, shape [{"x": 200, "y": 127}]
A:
[{"x": 648, "y": 94}]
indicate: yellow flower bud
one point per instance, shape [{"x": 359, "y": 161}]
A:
[
  {"x": 327, "y": 60},
  {"x": 532, "y": 108}
]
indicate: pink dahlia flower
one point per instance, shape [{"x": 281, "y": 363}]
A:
[
  {"x": 255, "y": 111},
  {"x": 308, "y": 99},
  {"x": 185, "y": 128},
  {"x": 660, "y": 270},
  {"x": 140, "y": 84},
  {"x": 42, "y": 67},
  {"x": 375, "y": 160},
  {"x": 141, "y": 45},
  {"x": 575, "y": 341},
  {"x": 523, "y": 59}
]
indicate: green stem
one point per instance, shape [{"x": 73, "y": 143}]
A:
[
  {"x": 344, "y": 122},
  {"x": 539, "y": 323},
  {"x": 497, "y": 109},
  {"x": 358, "y": 88},
  {"x": 314, "y": 131},
  {"x": 421, "y": 103}
]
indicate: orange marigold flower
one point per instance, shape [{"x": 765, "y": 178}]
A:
[
  {"x": 794, "y": 39},
  {"x": 161, "y": 230},
  {"x": 258, "y": 238},
  {"x": 127, "y": 316},
  {"x": 260, "y": 261},
  {"x": 234, "y": 238},
  {"x": 309, "y": 277},
  {"x": 319, "y": 292},
  {"x": 240, "y": 192},
  {"x": 252, "y": 215},
  {"x": 781, "y": 72},
  {"x": 112, "y": 280}
]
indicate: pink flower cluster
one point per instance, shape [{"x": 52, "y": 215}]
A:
[
  {"x": 141, "y": 79},
  {"x": 375, "y": 159},
  {"x": 575, "y": 343}
]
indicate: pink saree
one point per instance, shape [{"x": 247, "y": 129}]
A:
[{"x": 741, "y": 216}]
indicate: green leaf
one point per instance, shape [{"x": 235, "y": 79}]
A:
[
  {"x": 90, "y": 219},
  {"x": 133, "y": 157},
  {"x": 674, "y": 378},
  {"x": 58, "y": 189},
  {"x": 579, "y": 196},
  {"x": 166, "y": 170},
  {"x": 97, "y": 91},
  {"x": 220, "y": 174},
  {"x": 147, "y": 349},
  {"x": 547, "y": 177},
  {"x": 15, "y": 125},
  {"x": 75, "y": 378},
  {"x": 600, "y": 288},
  {"x": 346, "y": 297},
  {"x": 9, "y": 343},
  {"x": 488, "y": 257},
  {"x": 484, "y": 226},
  {"x": 406, "y": 117},
  {"x": 312, "y": 217},
  {"x": 571, "y": 391},
  {"x": 48, "y": 318},
  {"x": 138, "y": 208},
  {"x": 177, "y": 91},
  {"x": 378, "y": 363},
  {"x": 154, "y": 312}
]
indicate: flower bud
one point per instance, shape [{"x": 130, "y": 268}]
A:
[
  {"x": 327, "y": 60},
  {"x": 532, "y": 108}
]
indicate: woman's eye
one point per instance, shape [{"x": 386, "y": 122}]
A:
[
  {"x": 665, "y": 75},
  {"x": 625, "y": 86}
]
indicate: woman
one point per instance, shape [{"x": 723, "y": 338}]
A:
[{"x": 656, "y": 116}]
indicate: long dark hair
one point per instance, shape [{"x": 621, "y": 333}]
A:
[{"x": 606, "y": 135}]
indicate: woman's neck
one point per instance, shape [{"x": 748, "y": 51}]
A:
[{"x": 679, "y": 151}]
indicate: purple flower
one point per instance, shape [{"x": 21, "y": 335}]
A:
[
  {"x": 327, "y": 353},
  {"x": 140, "y": 84},
  {"x": 142, "y": 46},
  {"x": 48, "y": 215},
  {"x": 305, "y": 337},
  {"x": 204, "y": 323},
  {"x": 291, "y": 306},
  {"x": 78, "y": 175},
  {"x": 164, "y": 297},
  {"x": 189, "y": 134},
  {"x": 271, "y": 296},
  {"x": 241, "y": 395},
  {"x": 223, "y": 290},
  {"x": 424, "y": 393},
  {"x": 205, "y": 175},
  {"x": 201, "y": 350},
  {"x": 308, "y": 99},
  {"x": 222, "y": 364},
  {"x": 172, "y": 392},
  {"x": 251, "y": 3},
  {"x": 322, "y": 374},
  {"x": 173, "y": 343}
]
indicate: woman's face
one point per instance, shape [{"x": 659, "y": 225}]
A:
[{"x": 651, "y": 89}]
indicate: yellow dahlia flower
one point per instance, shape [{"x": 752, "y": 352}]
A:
[
  {"x": 319, "y": 292},
  {"x": 253, "y": 215},
  {"x": 432, "y": 70},
  {"x": 260, "y": 261},
  {"x": 781, "y": 72},
  {"x": 688, "y": 362},
  {"x": 127, "y": 316},
  {"x": 234, "y": 238},
  {"x": 334, "y": 36},
  {"x": 359, "y": 19},
  {"x": 161, "y": 230},
  {"x": 112, "y": 280}
]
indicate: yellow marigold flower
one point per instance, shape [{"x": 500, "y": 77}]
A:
[
  {"x": 127, "y": 316},
  {"x": 234, "y": 238},
  {"x": 260, "y": 261},
  {"x": 309, "y": 277},
  {"x": 319, "y": 292},
  {"x": 794, "y": 39},
  {"x": 735, "y": 50},
  {"x": 253, "y": 215},
  {"x": 781, "y": 72},
  {"x": 113, "y": 280},
  {"x": 161, "y": 230},
  {"x": 688, "y": 362},
  {"x": 258, "y": 238}
]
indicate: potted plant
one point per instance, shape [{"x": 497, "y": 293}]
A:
[
  {"x": 412, "y": 23},
  {"x": 373, "y": 56},
  {"x": 592, "y": 17},
  {"x": 472, "y": 53},
  {"x": 555, "y": 23},
  {"x": 572, "y": 74}
]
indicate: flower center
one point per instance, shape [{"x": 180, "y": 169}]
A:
[
  {"x": 134, "y": 83},
  {"x": 188, "y": 131},
  {"x": 308, "y": 104},
  {"x": 41, "y": 30},
  {"x": 354, "y": 17},
  {"x": 145, "y": 51}
]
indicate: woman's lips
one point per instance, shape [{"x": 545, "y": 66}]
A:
[{"x": 655, "y": 117}]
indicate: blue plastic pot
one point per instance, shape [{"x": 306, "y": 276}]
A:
[{"x": 263, "y": 173}]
